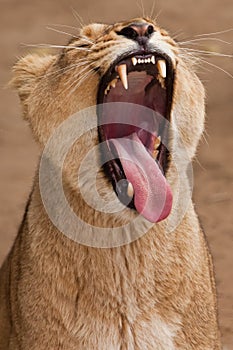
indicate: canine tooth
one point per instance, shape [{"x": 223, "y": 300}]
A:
[
  {"x": 113, "y": 83},
  {"x": 122, "y": 70},
  {"x": 130, "y": 190},
  {"x": 134, "y": 61},
  {"x": 161, "y": 80},
  {"x": 157, "y": 142},
  {"x": 161, "y": 65},
  {"x": 155, "y": 154},
  {"x": 107, "y": 89},
  {"x": 153, "y": 59}
]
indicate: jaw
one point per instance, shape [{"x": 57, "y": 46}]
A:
[{"x": 134, "y": 105}]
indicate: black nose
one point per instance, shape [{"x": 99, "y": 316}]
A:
[{"x": 139, "y": 32}]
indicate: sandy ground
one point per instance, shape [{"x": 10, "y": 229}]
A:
[{"x": 24, "y": 21}]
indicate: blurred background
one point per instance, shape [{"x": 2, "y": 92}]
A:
[{"x": 24, "y": 21}]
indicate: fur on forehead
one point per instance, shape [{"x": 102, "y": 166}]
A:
[{"x": 94, "y": 30}]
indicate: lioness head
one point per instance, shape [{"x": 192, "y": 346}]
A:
[{"x": 148, "y": 95}]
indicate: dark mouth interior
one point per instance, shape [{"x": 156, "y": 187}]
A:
[{"x": 121, "y": 114}]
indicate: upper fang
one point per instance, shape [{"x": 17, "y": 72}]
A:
[
  {"x": 161, "y": 65},
  {"x": 122, "y": 71},
  {"x": 134, "y": 61}
]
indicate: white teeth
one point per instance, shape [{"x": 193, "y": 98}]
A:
[
  {"x": 161, "y": 65},
  {"x": 162, "y": 81},
  {"x": 155, "y": 154},
  {"x": 111, "y": 84},
  {"x": 130, "y": 190},
  {"x": 143, "y": 60},
  {"x": 122, "y": 71},
  {"x": 157, "y": 142},
  {"x": 107, "y": 89},
  {"x": 155, "y": 151},
  {"x": 134, "y": 61}
]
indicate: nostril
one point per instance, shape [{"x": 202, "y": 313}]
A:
[
  {"x": 150, "y": 30},
  {"x": 129, "y": 33}
]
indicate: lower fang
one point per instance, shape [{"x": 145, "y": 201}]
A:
[
  {"x": 157, "y": 143},
  {"x": 155, "y": 154},
  {"x": 130, "y": 190},
  {"x": 161, "y": 81},
  {"x": 113, "y": 83}
]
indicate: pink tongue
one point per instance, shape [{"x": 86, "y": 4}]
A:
[{"x": 152, "y": 193}]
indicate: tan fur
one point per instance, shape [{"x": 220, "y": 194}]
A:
[{"x": 155, "y": 293}]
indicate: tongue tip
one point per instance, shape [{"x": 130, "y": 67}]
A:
[{"x": 152, "y": 215}]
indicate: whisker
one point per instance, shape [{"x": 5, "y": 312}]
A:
[
  {"x": 199, "y": 163},
  {"x": 84, "y": 77},
  {"x": 206, "y": 62},
  {"x": 219, "y": 68},
  {"x": 77, "y": 82},
  {"x": 177, "y": 33},
  {"x": 65, "y": 70},
  {"x": 77, "y": 17},
  {"x": 64, "y": 26},
  {"x": 88, "y": 40},
  {"x": 215, "y": 33},
  {"x": 61, "y": 32},
  {"x": 152, "y": 10},
  {"x": 57, "y": 46},
  {"x": 141, "y": 7},
  {"x": 66, "y": 89},
  {"x": 79, "y": 72},
  {"x": 72, "y": 35},
  {"x": 204, "y": 136},
  {"x": 215, "y": 66},
  {"x": 204, "y": 39},
  {"x": 209, "y": 53},
  {"x": 158, "y": 14}
]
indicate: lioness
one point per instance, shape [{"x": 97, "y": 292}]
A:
[{"x": 156, "y": 292}]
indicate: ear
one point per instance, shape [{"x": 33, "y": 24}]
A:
[{"x": 26, "y": 74}]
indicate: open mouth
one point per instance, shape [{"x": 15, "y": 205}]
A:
[{"x": 134, "y": 106}]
